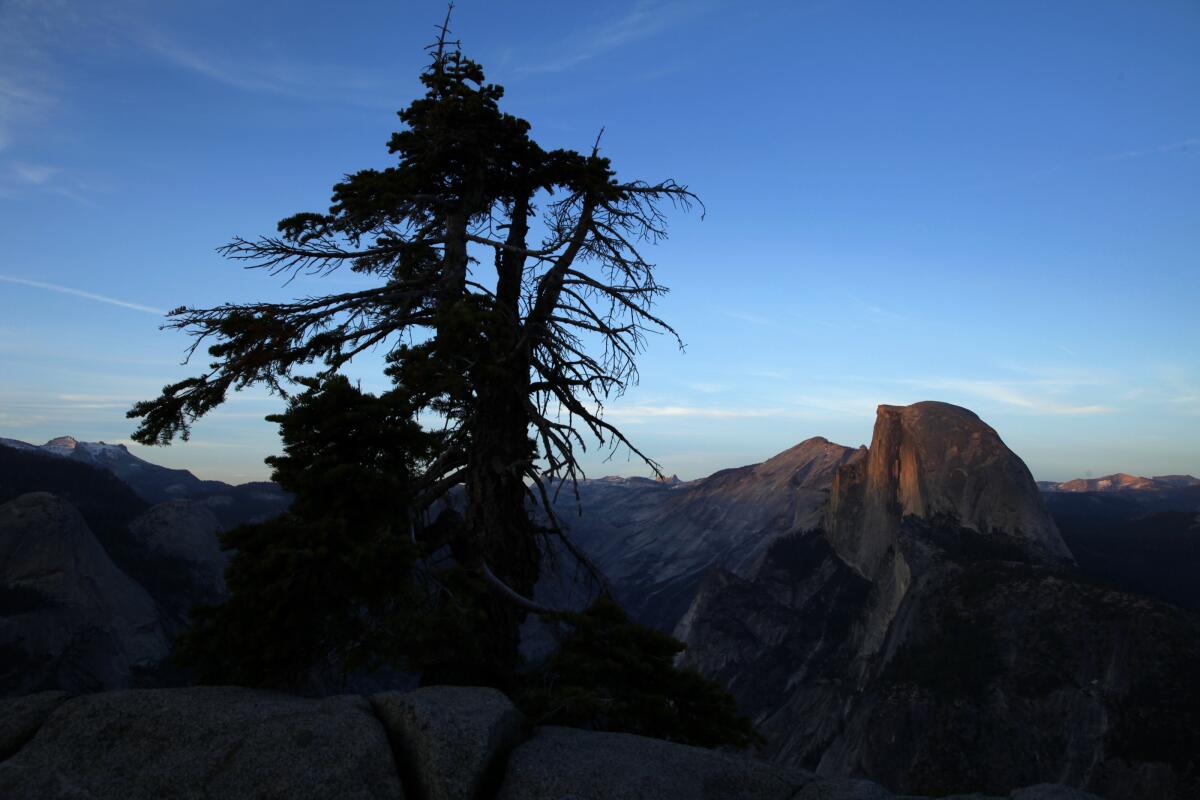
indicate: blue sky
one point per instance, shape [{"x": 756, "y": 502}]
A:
[{"x": 995, "y": 204}]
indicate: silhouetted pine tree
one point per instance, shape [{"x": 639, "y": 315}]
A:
[{"x": 514, "y": 354}]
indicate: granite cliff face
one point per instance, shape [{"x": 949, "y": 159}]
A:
[
  {"x": 71, "y": 619},
  {"x": 935, "y": 461}
]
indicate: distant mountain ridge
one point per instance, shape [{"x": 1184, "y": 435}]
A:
[
  {"x": 1121, "y": 482},
  {"x": 231, "y": 504}
]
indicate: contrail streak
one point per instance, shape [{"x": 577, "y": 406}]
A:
[{"x": 53, "y": 287}]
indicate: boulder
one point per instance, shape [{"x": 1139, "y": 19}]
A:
[
  {"x": 1052, "y": 791},
  {"x": 843, "y": 789},
  {"x": 20, "y": 718},
  {"x": 205, "y": 742},
  {"x": 450, "y": 741},
  {"x": 560, "y": 763}
]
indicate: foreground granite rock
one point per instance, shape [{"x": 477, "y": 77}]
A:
[
  {"x": 562, "y": 763},
  {"x": 205, "y": 742},
  {"x": 844, "y": 789},
  {"x": 21, "y": 717},
  {"x": 451, "y": 742},
  {"x": 221, "y": 743}
]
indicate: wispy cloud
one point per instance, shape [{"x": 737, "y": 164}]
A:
[
  {"x": 267, "y": 73},
  {"x": 47, "y": 178},
  {"x": 644, "y": 412},
  {"x": 18, "y": 102},
  {"x": 873, "y": 310},
  {"x": 28, "y": 78},
  {"x": 760, "y": 321},
  {"x": 99, "y": 298},
  {"x": 1033, "y": 396},
  {"x": 37, "y": 174},
  {"x": 1191, "y": 143},
  {"x": 1185, "y": 145},
  {"x": 644, "y": 20},
  {"x": 836, "y": 403},
  {"x": 34, "y": 35},
  {"x": 769, "y": 374}
]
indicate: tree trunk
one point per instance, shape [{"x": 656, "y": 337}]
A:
[{"x": 497, "y": 517}]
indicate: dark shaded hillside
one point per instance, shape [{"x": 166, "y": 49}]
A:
[
  {"x": 106, "y": 503},
  {"x": 993, "y": 672},
  {"x": 1015, "y": 664},
  {"x": 1114, "y": 540},
  {"x": 247, "y": 502},
  {"x": 656, "y": 541}
]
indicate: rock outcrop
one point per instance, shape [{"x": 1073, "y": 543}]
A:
[
  {"x": 450, "y": 741},
  {"x": 21, "y": 717},
  {"x": 72, "y": 620},
  {"x": 566, "y": 763},
  {"x": 225, "y": 743},
  {"x": 242, "y": 744},
  {"x": 937, "y": 462}
]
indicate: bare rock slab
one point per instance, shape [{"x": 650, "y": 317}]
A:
[
  {"x": 1052, "y": 791},
  {"x": 205, "y": 742},
  {"x": 843, "y": 789},
  {"x": 560, "y": 763},
  {"x": 20, "y": 718},
  {"x": 450, "y": 741}
]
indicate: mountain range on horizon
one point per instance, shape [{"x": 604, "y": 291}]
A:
[
  {"x": 1121, "y": 482},
  {"x": 890, "y": 611},
  {"x": 162, "y": 482},
  {"x": 152, "y": 481}
]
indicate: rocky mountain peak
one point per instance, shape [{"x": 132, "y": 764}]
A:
[
  {"x": 809, "y": 464},
  {"x": 66, "y": 442},
  {"x": 934, "y": 461}
]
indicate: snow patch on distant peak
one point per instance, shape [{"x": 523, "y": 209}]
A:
[{"x": 103, "y": 449}]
